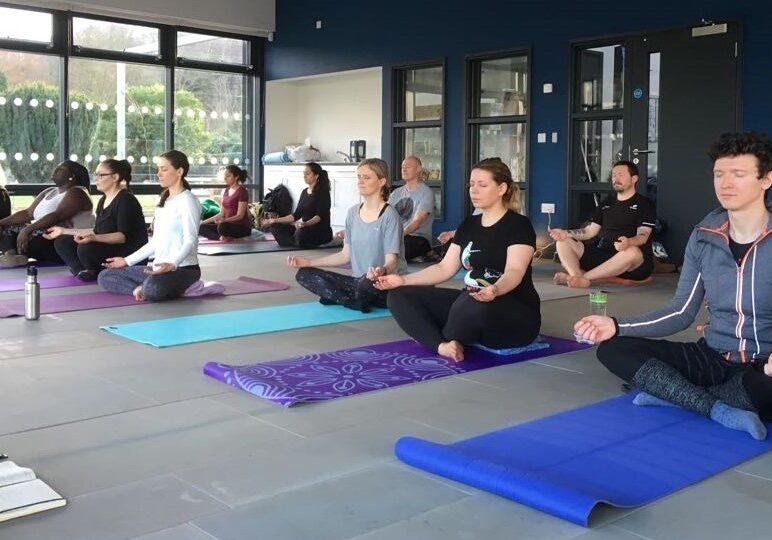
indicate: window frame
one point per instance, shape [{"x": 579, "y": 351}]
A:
[
  {"x": 473, "y": 121},
  {"x": 399, "y": 125},
  {"x": 63, "y": 47}
]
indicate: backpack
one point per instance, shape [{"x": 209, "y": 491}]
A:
[{"x": 278, "y": 201}]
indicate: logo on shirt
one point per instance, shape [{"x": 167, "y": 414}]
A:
[{"x": 634, "y": 207}]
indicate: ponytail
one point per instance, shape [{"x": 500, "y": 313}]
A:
[{"x": 241, "y": 174}]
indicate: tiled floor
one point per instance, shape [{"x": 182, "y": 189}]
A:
[{"x": 144, "y": 446}]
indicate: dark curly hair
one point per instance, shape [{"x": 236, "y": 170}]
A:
[{"x": 737, "y": 144}]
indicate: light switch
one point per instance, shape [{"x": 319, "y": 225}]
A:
[
  {"x": 541, "y": 137},
  {"x": 547, "y": 88},
  {"x": 554, "y": 136},
  {"x": 318, "y": 24}
]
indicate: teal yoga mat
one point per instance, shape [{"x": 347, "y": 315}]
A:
[{"x": 230, "y": 324}]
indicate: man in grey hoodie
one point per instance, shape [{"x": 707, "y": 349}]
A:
[{"x": 727, "y": 374}]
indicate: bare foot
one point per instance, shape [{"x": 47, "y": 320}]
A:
[
  {"x": 768, "y": 367},
  {"x": 560, "y": 278},
  {"x": 139, "y": 296},
  {"x": 225, "y": 239},
  {"x": 451, "y": 349},
  {"x": 578, "y": 282}
]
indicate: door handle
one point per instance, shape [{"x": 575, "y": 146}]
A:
[{"x": 636, "y": 152}]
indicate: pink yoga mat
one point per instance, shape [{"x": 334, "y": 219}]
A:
[
  {"x": 46, "y": 282},
  {"x": 101, "y": 299}
]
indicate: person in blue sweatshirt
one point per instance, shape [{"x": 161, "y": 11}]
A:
[{"x": 727, "y": 374}]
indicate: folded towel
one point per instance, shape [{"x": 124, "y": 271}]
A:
[
  {"x": 276, "y": 157},
  {"x": 203, "y": 288}
]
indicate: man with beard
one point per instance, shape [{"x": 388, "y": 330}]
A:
[{"x": 621, "y": 233}]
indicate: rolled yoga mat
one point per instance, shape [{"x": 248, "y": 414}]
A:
[
  {"x": 610, "y": 452},
  {"x": 244, "y": 322},
  {"x": 325, "y": 376},
  {"x": 102, "y": 299}
]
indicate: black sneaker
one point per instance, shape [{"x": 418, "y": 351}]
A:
[{"x": 86, "y": 275}]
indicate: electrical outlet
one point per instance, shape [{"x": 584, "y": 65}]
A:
[{"x": 547, "y": 208}]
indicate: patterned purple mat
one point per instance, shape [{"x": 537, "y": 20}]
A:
[{"x": 325, "y": 376}]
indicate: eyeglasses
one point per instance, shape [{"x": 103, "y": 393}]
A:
[{"x": 100, "y": 175}]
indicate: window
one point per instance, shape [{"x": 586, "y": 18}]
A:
[
  {"x": 118, "y": 88},
  {"x": 497, "y": 112},
  {"x": 113, "y": 36},
  {"x": 597, "y": 125},
  {"x": 26, "y": 25},
  {"x": 210, "y": 120},
  {"x": 206, "y": 48},
  {"x": 29, "y": 117},
  {"x": 418, "y": 122}
]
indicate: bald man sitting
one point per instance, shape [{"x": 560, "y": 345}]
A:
[{"x": 414, "y": 201}]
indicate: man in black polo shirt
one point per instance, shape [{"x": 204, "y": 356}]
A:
[{"x": 621, "y": 233}]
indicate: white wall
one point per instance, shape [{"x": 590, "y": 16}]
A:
[
  {"x": 331, "y": 110},
  {"x": 252, "y": 17}
]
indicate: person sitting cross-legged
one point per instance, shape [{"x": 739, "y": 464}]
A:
[{"x": 621, "y": 233}]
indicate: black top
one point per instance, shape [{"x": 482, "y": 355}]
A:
[
  {"x": 123, "y": 214},
  {"x": 316, "y": 204},
  {"x": 739, "y": 250},
  {"x": 622, "y": 218},
  {"x": 484, "y": 253}
]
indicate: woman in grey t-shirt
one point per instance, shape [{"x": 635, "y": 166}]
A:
[{"x": 373, "y": 245}]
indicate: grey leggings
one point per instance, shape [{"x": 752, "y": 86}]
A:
[{"x": 155, "y": 288}]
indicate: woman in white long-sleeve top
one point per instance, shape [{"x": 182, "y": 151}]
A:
[{"x": 174, "y": 244}]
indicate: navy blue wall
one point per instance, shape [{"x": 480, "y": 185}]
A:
[{"x": 364, "y": 33}]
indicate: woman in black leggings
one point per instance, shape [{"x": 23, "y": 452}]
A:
[{"x": 499, "y": 307}]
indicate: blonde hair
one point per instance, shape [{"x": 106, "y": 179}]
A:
[
  {"x": 381, "y": 170},
  {"x": 502, "y": 175}
]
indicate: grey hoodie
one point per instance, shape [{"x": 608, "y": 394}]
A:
[{"x": 739, "y": 298}]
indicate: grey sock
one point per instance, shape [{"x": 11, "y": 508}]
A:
[
  {"x": 662, "y": 381},
  {"x": 645, "y": 399},
  {"x": 738, "y": 419}
]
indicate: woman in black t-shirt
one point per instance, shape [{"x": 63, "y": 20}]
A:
[
  {"x": 309, "y": 224},
  {"x": 119, "y": 228},
  {"x": 499, "y": 308}
]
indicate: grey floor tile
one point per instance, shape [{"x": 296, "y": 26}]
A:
[
  {"x": 731, "y": 505},
  {"x": 293, "y": 464},
  {"x": 115, "y": 514},
  {"x": 761, "y": 466},
  {"x": 479, "y": 516},
  {"x": 335, "y": 509},
  {"x": 122, "y": 448},
  {"x": 181, "y": 532}
]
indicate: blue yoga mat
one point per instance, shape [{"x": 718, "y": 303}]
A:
[
  {"x": 229, "y": 324},
  {"x": 611, "y": 452}
]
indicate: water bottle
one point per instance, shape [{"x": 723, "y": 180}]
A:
[{"x": 32, "y": 295}]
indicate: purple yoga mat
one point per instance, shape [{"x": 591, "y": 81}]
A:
[
  {"x": 325, "y": 376},
  {"x": 102, "y": 299},
  {"x": 46, "y": 282}
]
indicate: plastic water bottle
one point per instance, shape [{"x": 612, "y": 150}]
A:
[{"x": 32, "y": 295}]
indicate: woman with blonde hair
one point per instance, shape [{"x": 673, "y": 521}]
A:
[
  {"x": 499, "y": 308},
  {"x": 373, "y": 245}
]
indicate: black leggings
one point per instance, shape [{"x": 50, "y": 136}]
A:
[
  {"x": 214, "y": 231},
  {"x": 433, "y": 315},
  {"x": 313, "y": 236},
  {"x": 697, "y": 362},
  {"x": 415, "y": 246},
  {"x": 87, "y": 256},
  {"x": 333, "y": 288},
  {"x": 38, "y": 248}
]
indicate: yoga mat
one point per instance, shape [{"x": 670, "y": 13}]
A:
[
  {"x": 102, "y": 299},
  {"x": 259, "y": 246},
  {"x": 610, "y": 452},
  {"x": 229, "y": 324},
  {"x": 46, "y": 282},
  {"x": 321, "y": 377}
]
